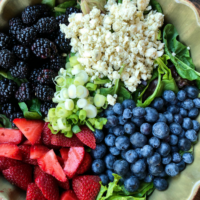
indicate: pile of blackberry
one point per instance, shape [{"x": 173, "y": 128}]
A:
[{"x": 32, "y": 50}]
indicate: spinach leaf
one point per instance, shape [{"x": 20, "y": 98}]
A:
[
  {"x": 5, "y": 122},
  {"x": 35, "y": 106},
  {"x": 156, "y": 6},
  {"x": 49, "y": 2},
  {"x": 61, "y": 8}
]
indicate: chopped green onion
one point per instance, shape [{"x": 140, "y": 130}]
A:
[
  {"x": 99, "y": 100},
  {"x": 62, "y": 123},
  {"x": 73, "y": 61},
  {"x": 51, "y": 113},
  {"x": 89, "y": 126},
  {"x": 61, "y": 111},
  {"x": 73, "y": 118},
  {"x": 100, "y": 122},
  {"x": 76, "y": 129},
  {"x": 82, "y": 115},
  {"x": 68, "y": 128},
  {"x": 69, "y": 134},
  {"x": 92, "y": 121},
  {"x": 52, "y": 130}
]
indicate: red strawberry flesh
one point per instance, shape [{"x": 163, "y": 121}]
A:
[
  {"x": 37, "y": 151},
  {"x": 86, "y": 164},
  {"x": 64, "y": 153},
  {"x": 10, "y": 151},
  {"x": 8, "y": 135},
  {"x": 5, "y": 163},
  {"x": 25, "y": 150},
  {"x": 34, "y": 193},
  {"x": 68, "y": 195}
]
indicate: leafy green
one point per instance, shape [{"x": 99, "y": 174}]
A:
[
  {"x": 61, "y": 8},
  {"x": 35, "y": 106},
  {"x": 5, "y": 122},
  {"x": 49, "y": 2},
  {"x": 100, "y": 81},
  {"x": 124, "y": 93},
  {"x": 156, "y": 6},
  {"x": 91, "y": 86}
]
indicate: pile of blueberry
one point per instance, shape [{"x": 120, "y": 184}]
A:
[{"x": 148, "y": 144}]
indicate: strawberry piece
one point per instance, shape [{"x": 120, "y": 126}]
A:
[
  {"x": 10, "y": 151},
  {"x": 62, "y": 141},
  {"x": 86, "y": 187},
  {"x": 65, "y": 185},
  {"x": 32, "y": 129},
  {"x": 61, "y": 161},
  {"x": 64, "y": 153},
  {"x": 20, "y": 175},
  {"x": 27, "y": 142},
  {"x": 8, "y": 135},
  {"x": 86, "y": 164},
  {"x": 34, "y": 193},
  {"x": 48, "y": 186},
  {"x": 68, "y": 195},
  {"x": 37, "y": 172},
  {"x": 49, "y": 164},
  {"x": 75, "y": 157},
  {"x": 37, "y": 151},
  {"x": 25, "y": 150},
  {"x": 86, "y": 136},
  {"x": 5, "y": 163}
]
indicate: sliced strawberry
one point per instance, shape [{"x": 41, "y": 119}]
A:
[
  {"x": 25, "y": 150},
  {"x": 75, "y": 157},
  {"x": 49, "y": 164},
  {"x": 20, "y": 175},
  {"x": 62, "y": 141},
  {"x": 8, "y": 135},
  {"x": 64, "y": 153},
  {"x": 5, "y": 163},
  {"x": 37, "y": 151},
  {"x": 86, "y": 164},
  {"x": 32, "y": 129},
  {"x": 86, "y": 136},
  {"x": 61, "y": 161},
  {"x": 10, "y": 151},
  {"x": 27, "y": 142},
  {"x": 68, "y": 195},
  {"x": 65, "y": 185},
  {"x": 48, "y": 186},
  {"x": 37, "y": 172},
  {"x": 34, "y": 193}
]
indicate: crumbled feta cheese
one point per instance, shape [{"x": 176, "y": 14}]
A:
[
  {"x": 111, "y": 100},
  {"x": 188, "y": 48},
  {"x": 173, "y": 54}
]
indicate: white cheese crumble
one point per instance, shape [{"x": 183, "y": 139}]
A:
[
  {"x": 111, "y": 99},
  {"x": 124, "y": 36},
  {"x": 173, "y": 54},
  {"x": 188, "y": 48}
]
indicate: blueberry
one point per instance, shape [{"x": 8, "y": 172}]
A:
[
  {"x": 112, "y": 121},
  {"x": 188, "y": 158},
  {"x": 122, "y": 121},
  {"x": 123, "y": 154},
  {"x": 169, "y": 96},
  {"x": 171, "y": 169},
  {"x": 169, "y": 117},
  {"x": 128, "y": 103},
  {"x": 196, "y": 102},
  {"x": 191, "y": 135},
  {"x": 183, "y": 112},
  {"x": 175, "y": 128},
  {"x": 193, "y": 113},
  {"x": 110, "y": 173},
  {"x": 127, "y": 114},
  {"x": 137, "y": 121},
  {"x": 109, "y": 161},
  {"x": 167, "y": 139},
  {"x": 121, "y": 167},
  {"x": 122, "y": 143},
  {"x": 146, "y": 129},
  {"x": 129, "y": 128},
  {"x": 178, "y": 118},
  {"x": 160, "y": 184},
  {"x": 99, "y": 152},
  {"x": 188, "y": 104},
  {"x": 181, "y": 95},
  {"x": 138, "y": 167},
  {"x": 166, "y": 160},
  {"x": 138, "y": 112},
  {"x": 118, "y": 108},
  {"x": 160, "y": 130},
  {"x": 118, "y": 130},
  {"x": 138, "y": 140},
  {"x": 164, "y": 149},
  {"x": 158, "y": 104},
  {"x": 173, "y": 140},
  {"x": 99, "y": 135},
  {"x": 163, "y": 174},
  {"x": 184, "y": 144},
  {"x": 149, "y": 178},
  {"x": 173, "y": 109},
  {"x": 131, "y": 156},
  {"x": 182, "y": 135},
  {"x": 138, "y": 151},
  {"x": 109, "y": 112},
  {"x": 192, "y": 92},
  {"x": 196, "y": 125},
  {"x": 155, "y": 170},
  {"x": 114, "y": 151},
  {"x": 154, "y": 160},
  {"x": 154, "y": 142},
  {"x": 179, "y": 103},
  {"x": 131, "y": 184},
  {"x": 151, "y": 114},
  {"x": 161, "y": 118},
  {"x": 174, "y": 148},
  {"x": 147, "y": 151},
  {"x": 110, "y": 140},
  {"x": 176, "y": 157},
  {"x": 141, "y": 176},
  {"x": 181, "y": 165},
  {"x": 98, "y": 166},
  {"x": 104, "y": 179},
  {"x": 187, "y": 123},
  {"x": 110, "y": 130}
]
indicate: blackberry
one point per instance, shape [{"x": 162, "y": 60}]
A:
[
  {"x": 14, "y": 41},
  {"x": 57, "y": 63},
  {"x": 3, "y": 99},
  {"x": 20, "y": 70},
  {"x": 62, "y": 19},
  {"x": 44, "y": 108},
  {"x": 24, "y": 92},
  {"x": 8, "y": 108},
  {"x": 27, "y": 36},
  {"x": 44, "y": 48},
  {"x": 47, "y": 25},
  {"x": 32, "y": 13},
  {"x": 4, "y": 41},
  {"x": 34, "y": 75},
  {"x": 46, "y": 65},
  {"x": 22, "y": 52},
  {"x": 7, "y": 88},
  {"x": 14, "y": 116},
  {"x": 63, "y": 43},
  {"x": 71, "y": 10},
  {"x": 46, "y": 76},
  {"x": 15, "y": 26},
  {"x": 44, "y": 92},
  {"x": 7, "y": 59}
]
